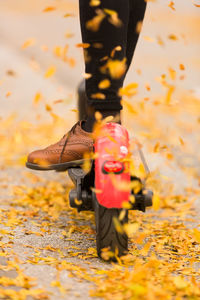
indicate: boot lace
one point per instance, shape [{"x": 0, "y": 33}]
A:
[{"x": 71, "y": 131}]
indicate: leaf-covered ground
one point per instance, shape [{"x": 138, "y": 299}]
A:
[{"x": 47, "y": 249}]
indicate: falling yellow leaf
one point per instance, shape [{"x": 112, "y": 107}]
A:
[
  {"x": 58, "y": 51},
  {"x": 49, "y": 8},
  {"x": 69, "y": 35},
  {"x": 197, "y": 5},
  {"x": 132, "y": 199},
  {"x": 139, "y": 26},
  {"x": 95, "y": 22},
  {"x": 181, "y": 141},
  {"x": 87, "y": 75},
  {"x": 173, "y": 37},
  {"x": 8, "y": 94},
  {"x": 41, "y": 162},
  {"x": 169, "y": 156},
  {"x": 148, "y": 39},
  {"x": 117, "y": 48},
  {"x": 58, "y": 101},
  {"x": 61, "y": 51},
  {"x": 50, "y": 71},
  {"x": 156, "y": 202},
  {"x": 171, "y": 5},
  {"x": 170, "y": 90},
  {"x": 122, "y": 214},
  {"x": 37, "y": 98},
  {"x": 131, "y": 229},
  {"x": 126, "y": 205},
  {"x": 129, "y": 107},
  {"x": 104, "y": 84},
  {"x": 172, "y": 73},
  {"x": 116, "y": 68},
  {"x": 74, "y": 110},
  {"x": 28, "y": 43},
  {"x": 83, "y": 45},
  {"x": 113, "y": 17},
  {"x": 97, "y": 45},
  {"x": 78, "y": 202},
  {"x": 118, "y": 225},
  {"x": 87, "y": 162},
  {"x": 147, "y": 86},
  {"x": 156, "y": 147},
  {"x": 182, "y": 67},
  {"x": 71, "y": 61},
  {"x": 99, "y": 96},
  {"x": 95, "y": 2},
  {"x": 48, "y": 107},
  {"x": 68, "y": 15},
  {"x": 160, "y": 41}
]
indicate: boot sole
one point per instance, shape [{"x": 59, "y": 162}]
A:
[{"x": 56, "y": 167}]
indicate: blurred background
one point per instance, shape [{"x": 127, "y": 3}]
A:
[{"x": 169, "y": 37}]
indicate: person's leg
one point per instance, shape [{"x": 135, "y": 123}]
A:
[
  {"x": 121, "y": 34},
  {"x": 100, "y": 57}
]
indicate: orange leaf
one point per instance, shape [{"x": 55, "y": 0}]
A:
[
  {"x": 49, "y": 8},
  {"x": 173, "y": 37},
  {"x": 28, "y": 43},
  {"x": 170, "y": 91},
  {"x": 171, "y": 5},
  {"x": 50, "y": 71},
  {"x": 37, "y": 98},
  {"x": 68, "y": 15},
  {"x": 182, "y": 67},
  {"x": 95, "y": 22},
  {"x": 95, "y": 2},
  {"x": 48, "y": 107},
  {"x": 83, "y": 45},
  {"x": 156, "y": 202},
  {"x": 172, "y": 73},
  {"x": 181, "y": 141},
  {"x": 98, "y": 96},
  {"x": 116, "y": 68},
  {"x": 104, "y": 84},
  {"x": 8, "y": 94}
]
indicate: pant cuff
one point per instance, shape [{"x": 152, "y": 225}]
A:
[{"x": 103, "y": 105}]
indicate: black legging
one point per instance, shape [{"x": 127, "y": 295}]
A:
[{"x": 101, "y": 43}]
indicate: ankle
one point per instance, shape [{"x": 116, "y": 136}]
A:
[{"x": 88, "y": 125}]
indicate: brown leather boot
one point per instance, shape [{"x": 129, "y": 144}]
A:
[{"x": 66, "y": 153}]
